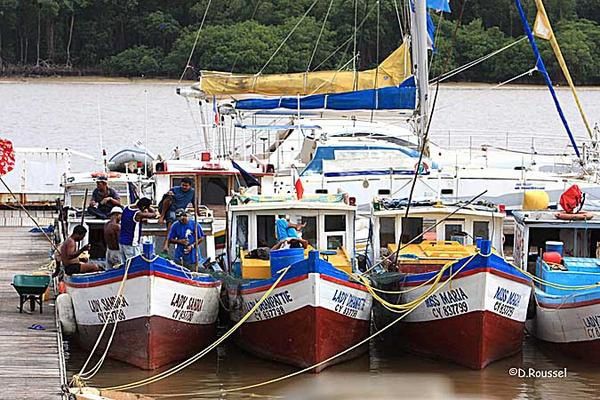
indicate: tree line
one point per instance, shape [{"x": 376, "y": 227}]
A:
[{"x": 155, "y": 37}]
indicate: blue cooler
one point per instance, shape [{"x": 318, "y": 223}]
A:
[
  {"x": 555, "y": 246},
  {"x": 284, "y": 257}
]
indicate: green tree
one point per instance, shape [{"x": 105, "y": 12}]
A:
[{"x": 136, "y": 61}]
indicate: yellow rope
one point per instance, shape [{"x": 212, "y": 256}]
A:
[
  {"x": 191, "y": 360},
  {"x": 426, "y": 294},
  {"x": 291, "y": 375}
]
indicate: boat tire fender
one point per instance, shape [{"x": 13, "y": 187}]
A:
[{"x": 66, "y": 314}]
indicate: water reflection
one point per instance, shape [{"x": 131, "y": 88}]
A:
[{"x": 383, "y": 373}]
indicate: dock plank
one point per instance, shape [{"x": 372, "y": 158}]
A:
[{"x": 30, "y": 366}]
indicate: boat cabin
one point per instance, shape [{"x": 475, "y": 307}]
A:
[
  {"x": 252, "y": 220},
  {"x": 126, "y": 185},
  {"x": 579, "y": 239},
  {"x": 214, "y": 180},
  {"x": 433, "y": 232}
]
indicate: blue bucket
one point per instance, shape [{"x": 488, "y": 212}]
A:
[
  {"x": 285, "y": 257},
  {"x": 555, "y": 246}
]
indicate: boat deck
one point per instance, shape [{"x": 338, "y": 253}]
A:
[{"x": 31, "y": 361}]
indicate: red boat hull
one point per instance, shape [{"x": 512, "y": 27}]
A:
[
  {"x": 474, "y": 339},
  {"x": 150, "y": 342},
  {"x": 304, "y": 337}
]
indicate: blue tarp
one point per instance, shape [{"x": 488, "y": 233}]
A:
[{"x": 402, "y": 97}]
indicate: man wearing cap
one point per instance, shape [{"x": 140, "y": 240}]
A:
[
  {"x": 104, "y": 199},
  {"x": 178, "y": 197},
  {"x": 111, "y": 237},
  {"x": 183, "y": 235}
]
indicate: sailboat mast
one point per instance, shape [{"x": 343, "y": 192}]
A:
[{"x": 419, "y": 42}]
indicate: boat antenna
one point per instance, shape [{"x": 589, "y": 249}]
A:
[
  {"x": 102, "y": 151},
  {"x": 146, "y": 132}
]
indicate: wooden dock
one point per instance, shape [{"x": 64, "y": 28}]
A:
[{"x": 31, "y": 361}]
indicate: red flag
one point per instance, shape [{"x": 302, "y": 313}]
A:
[
  {"x": 7, "y": 156},
  {"x": 299, "y": 189}
]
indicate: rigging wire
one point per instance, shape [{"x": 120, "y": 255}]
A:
[
  {"x": 398, "y": 18},
  {"x": 187, "y": 64},
  {"x": 237, "y": 56},
  {"x": 287, "y": 37},
  {"x": 470, "y": 64},
  {"x": 347, "y": 41},
  {"x": 314, "y": 52}
]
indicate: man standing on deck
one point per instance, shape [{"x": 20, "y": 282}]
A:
[
  {"x": 183, "y": 236},
  {"x": 131, "y": 227},
  {"x": 69, "y": 255},
  {"x": 104, "y": 199},
  {"x": 177, "y": 198},
  {"x": 111, "y": 237}
]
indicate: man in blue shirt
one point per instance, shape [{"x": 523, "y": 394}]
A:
[
  {"x": 177, "y": 198},
  {"x": 285, "y": 231},
  {"x": 183, "y": 236}
]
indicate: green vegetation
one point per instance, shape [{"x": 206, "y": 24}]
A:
[{"x": 154, "y": 37}]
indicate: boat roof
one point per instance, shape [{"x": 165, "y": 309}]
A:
[
  {"x": 398, "y": 206},
  {"x": 213, "y": 167},
  {"x": 87, "y": 178},
  {"x": 283, "y": 203},
  {"x": 549, "y": 217}
]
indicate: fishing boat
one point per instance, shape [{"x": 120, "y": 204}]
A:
[
  {"x": 562, "y": 251},
  {"x": 479, "y": 316},
  {"x": 163, "y": 314},
  {"x": 316, "y": 311}
]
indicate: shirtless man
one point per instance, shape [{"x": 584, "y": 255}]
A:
[
  {"x": 69, "y": 255},
  {"x": 111, "y": 237}
]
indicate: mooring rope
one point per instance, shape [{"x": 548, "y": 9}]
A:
[{"x": 196, "y": 357}]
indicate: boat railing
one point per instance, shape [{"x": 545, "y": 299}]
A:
[{"x": 541, "y": 143}]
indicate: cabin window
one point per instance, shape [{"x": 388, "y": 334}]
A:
[
  {"x": 387, "y": 231},
  {"x": 335, "y": 230},
  {"x": 335, "y": 242},
  {"x": 481, "y": 229},
  {"x": 214, "y": 190},
  {"x": 454, "y": 231},
  {"x": 310, "y": 230},
  {"x": 265, "y": 231},
  {"x": 241, "y": 232},
  {"x": 335, "y": 223},
  {"x": 411, "y": 228}
]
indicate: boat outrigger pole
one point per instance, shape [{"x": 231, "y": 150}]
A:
[{"x": 541, "y": 67}]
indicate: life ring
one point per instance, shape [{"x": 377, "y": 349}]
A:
[
  {"x": 111, "y": 174},
  {"x": 424, "y": 168},
  {"x": 579, "y": 216}
]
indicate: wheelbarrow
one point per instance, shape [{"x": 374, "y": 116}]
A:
[{"x": 32, "y": 288}]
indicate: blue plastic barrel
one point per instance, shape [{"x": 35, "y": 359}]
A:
[
  {"x": 555, "y": 246},
  {"x": 148, "y": 249},
  {"x": 485, "y": 247},
  {"x": 285, "y": 257},
  {"x": 478, "y": 240}
]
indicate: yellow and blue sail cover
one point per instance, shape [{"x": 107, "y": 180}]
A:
[{"x": 391, "y": 72}]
